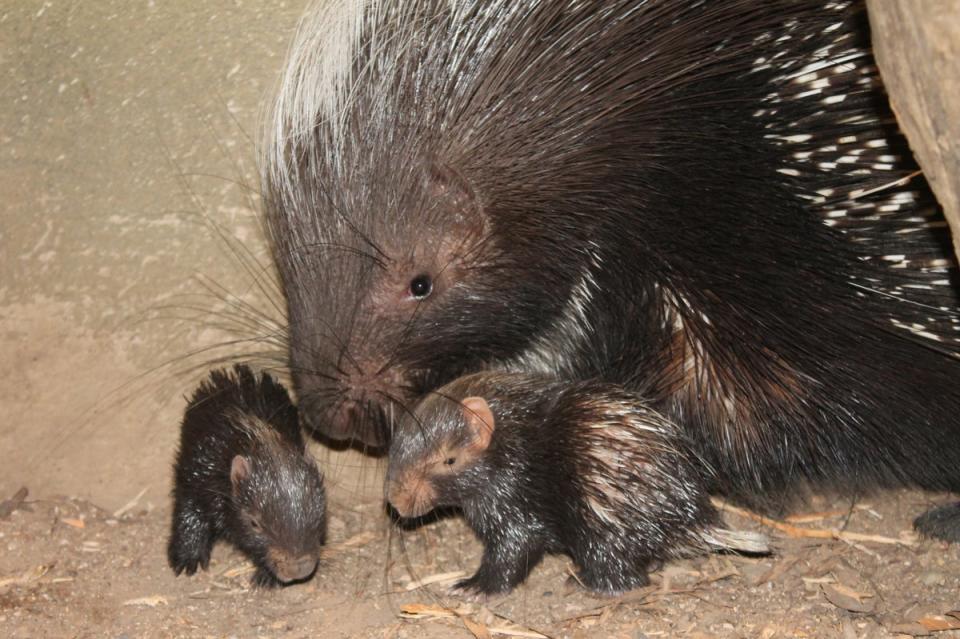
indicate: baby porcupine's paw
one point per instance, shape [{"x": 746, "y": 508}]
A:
[
  {"x": 942, "y": 522},
  {"x": 186, "y": 555},
  {"x": 475, "y": 590},
  {"x": 606, "y": 586},
  {"x": 191, "y": 542}
]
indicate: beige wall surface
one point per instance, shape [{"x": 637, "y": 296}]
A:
[{"x": 126, "y": 136}]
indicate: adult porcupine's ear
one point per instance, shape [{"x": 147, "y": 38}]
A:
[
  {"x": 449, "y": 189},
  {"x": 239, "y": 470},
  {"x": 447, "y": 183},
  {"x": 479, "y": 420}
]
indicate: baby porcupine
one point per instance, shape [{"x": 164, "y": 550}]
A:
[
  {"x": 243, "y": 474},
  {"x": 542, "y": 467}
]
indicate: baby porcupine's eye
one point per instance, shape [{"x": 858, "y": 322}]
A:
[
  {"x": 421, "y": 286},
  {"x": 450, "y": 461}
]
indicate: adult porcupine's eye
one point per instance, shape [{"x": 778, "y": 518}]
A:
[
  {"x": 421, "y": 286},
  {"x": 254, "y": 524}
]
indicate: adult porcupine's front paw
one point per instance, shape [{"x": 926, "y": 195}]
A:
[{"x": 942, "y": 522}]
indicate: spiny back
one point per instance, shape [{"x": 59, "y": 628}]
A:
[{"x": 540, "y": 104}]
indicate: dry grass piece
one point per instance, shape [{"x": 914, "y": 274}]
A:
[
  {"x": 29, "y": 576},
  {"x": 360, "y": 539},
  {"x": 847, "y": 598},
  {"x": 937, "y": 623},
  {"x": 152, "y": 601},
  {"x": 809, "y": 518},
  {"x": 815, "y": 533},
  {"x": 476, "y": 628},
  {"x": 441, "y": 577},
  {"x": 130, "y": 505},
  {"x": 467, "y": 613}
]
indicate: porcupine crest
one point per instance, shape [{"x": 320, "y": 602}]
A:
[
  {"x": 867, "y": 183},
  {"x": 845, "y": 160},
  {"x": 638, "y": 211}
]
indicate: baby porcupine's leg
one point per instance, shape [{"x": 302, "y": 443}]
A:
[
  {"x": 942, "y": 522},
  {"x": 191, "y": 539},
  {"x": 504, "y": 566},
  {"x": 606, "y": 573}
]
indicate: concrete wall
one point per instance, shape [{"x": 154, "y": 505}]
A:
[{"x": 127, "y": 134}]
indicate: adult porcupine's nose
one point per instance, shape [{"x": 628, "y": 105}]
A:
[{"x": 356, "y": 406}]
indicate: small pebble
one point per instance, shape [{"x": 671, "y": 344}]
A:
[{"x": 932, "y": 579}]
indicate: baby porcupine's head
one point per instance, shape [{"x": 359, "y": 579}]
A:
[
  {"x": 280, "y": 505},
  {"x": 435, "y": 451}
]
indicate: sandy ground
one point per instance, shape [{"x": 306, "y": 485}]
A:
[
  {"x": 73, "y": 569},
  {"x": 126, "y": 160}
]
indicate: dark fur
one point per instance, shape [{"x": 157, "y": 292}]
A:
[
  {"x": 734, "y": 232},
  {"x": 942, "y": 522},
  {"x": 283, "y": 491},
  {"x": 535, "y": 488}
]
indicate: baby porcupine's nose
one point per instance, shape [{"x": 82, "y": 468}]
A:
[
  {"x": 400, "y": 498},
  {"x": 295, "y": 568},
  {"x": 410, "y": 496}
]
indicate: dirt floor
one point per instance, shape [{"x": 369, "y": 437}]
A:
[
  {"x": 70, "y": 568},
  {"x": 125, "y": 163}
]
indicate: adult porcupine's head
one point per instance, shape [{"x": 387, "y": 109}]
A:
[{"x": 406, "y": 205}]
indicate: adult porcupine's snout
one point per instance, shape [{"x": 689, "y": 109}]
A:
[{"x": 357, "y": 404}]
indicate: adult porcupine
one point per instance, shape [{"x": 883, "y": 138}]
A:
[{"x": 701, "y": 201}]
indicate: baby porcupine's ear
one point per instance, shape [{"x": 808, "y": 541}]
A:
[
  {"x": 480, "y": 421},
  {"x": 239, "y": 470}
]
